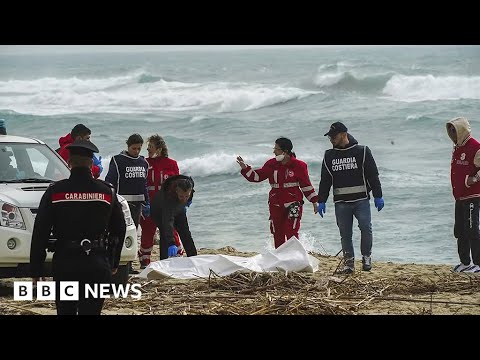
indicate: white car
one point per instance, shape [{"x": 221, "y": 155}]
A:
[{"x": 27, "y": 167}]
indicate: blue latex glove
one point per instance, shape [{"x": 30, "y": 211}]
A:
[
  {"x": 146, "y": 210},
  {"x": 379, "y": 203},
  {"x": 172, "y": 250},
  {"x": 98, "y": 162},
  {"x": 322, "y": 208}
]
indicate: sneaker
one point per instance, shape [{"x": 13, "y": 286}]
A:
[
  {"x": 366, "y": 263},
  {"x": 461, "y": 267},
  {"x": 347, "y": 269},
  {"x": 473, "y": 269},
  {"x": 143, "y": 264},
  {"x": 349, "y": 261}
]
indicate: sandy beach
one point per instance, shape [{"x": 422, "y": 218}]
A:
[{"x": 389, "y": 289}]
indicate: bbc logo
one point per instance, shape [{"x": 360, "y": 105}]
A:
[
  {"x": 23, "y": 290},
  {"x": 69, "y": 290}
]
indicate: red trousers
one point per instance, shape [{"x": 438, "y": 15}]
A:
[
  {"x": 148, "y": 232},
  {"x": 281, "y": 226}
]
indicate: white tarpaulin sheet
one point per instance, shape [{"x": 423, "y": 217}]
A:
[{"x": 290, "y": 256}]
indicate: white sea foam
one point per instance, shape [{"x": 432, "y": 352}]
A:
[
  {"x": 197, "y": 118},
  {"x": 127, "y": 94},
  {"x": 221, "y": 163},
  {"x": 429, "y": 87},
  {"x": 217, "y": 164}
]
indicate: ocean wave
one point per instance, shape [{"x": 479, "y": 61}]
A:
[
  {"x": 398, "y": 87},
  {"x": 418, "y": 118},
  {"x": 428, "y": 87},
  {"x": 139, "y": 92},
  {"x": 198, "y": 118},
  {"x": 221, "y": 163},
  {"x": 145, "y": 78},
  {"x": 349, "y": 80}
]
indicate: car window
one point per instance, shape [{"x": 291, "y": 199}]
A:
[
  {"x": 7, "y": 170},
  {"x": 30, "y": 161}
]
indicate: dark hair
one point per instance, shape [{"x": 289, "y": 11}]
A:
[
  {"x": 80, "y": 130},
  {"x": 159, "y": 143},
  {"x": 184, "y": 184},
  {"x": 134, "y": 139},
  {"x": 286, "y": 145}
]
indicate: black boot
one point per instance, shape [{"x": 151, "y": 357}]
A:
[{"x": 132, "y": 270}]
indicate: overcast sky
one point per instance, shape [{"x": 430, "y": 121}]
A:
[{"x": 61, "y": 49}]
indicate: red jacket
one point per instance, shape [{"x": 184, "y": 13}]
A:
[
  {"x": 65, "y": 153},
  {"x": 289, "y": 182},
  {"x": 462, "y": 167},
  {"x": 159, "y": 169}
]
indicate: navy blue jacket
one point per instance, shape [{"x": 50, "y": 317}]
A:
[
  {"x": 128, "y": 175},
  {"x": 352, "y": 172}
]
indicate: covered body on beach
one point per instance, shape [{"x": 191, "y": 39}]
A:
[{"x": 290, "y": 256}]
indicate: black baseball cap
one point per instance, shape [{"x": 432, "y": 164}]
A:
[
  {"x": 335, "y": 128},
  {"x": 82, "y": 148}
]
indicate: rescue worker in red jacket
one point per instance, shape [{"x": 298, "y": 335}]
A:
[
  {"x": 465, "y": 180},
  {"x": 160, "y": 168},
  {"x": 290, "y": 181},
  {"x": 79, "y": 132}
]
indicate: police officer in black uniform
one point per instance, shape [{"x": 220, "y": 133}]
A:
[{"x": 87, "y": 220}]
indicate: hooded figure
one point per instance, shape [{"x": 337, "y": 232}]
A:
[{"x": 465, "y": 176}]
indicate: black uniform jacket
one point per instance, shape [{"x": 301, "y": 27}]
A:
[
  {"x": 352, "y": 171},
  {"x": 74, "y": 209},
  {"x": 165, "y": 207}
]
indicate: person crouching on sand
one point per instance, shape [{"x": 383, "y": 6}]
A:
[{"x": 168, "y": 213}]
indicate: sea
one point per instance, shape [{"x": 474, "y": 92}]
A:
[{"x": 211, "y": 106}]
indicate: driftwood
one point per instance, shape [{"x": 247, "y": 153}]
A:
[
  {"x": 290, "y": 294},
  {"x": 280, "y": 293}
]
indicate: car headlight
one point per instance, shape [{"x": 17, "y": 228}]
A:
[
  {"x": 11, "y": 216},
  {"x": 126, "y": 210}
]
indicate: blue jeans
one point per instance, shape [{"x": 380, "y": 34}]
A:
[{"x": 344, "y": 213}]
